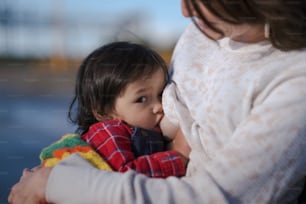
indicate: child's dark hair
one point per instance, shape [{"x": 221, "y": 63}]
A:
[
  {"x": 286, "y": 18},
  {"x": 103, "y": 76}
]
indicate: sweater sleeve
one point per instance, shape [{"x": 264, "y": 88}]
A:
[
  {"x": 113, "y": 142},
  {"x": 96, "y": 186}
]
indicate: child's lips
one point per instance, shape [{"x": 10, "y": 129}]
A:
[
  {"x": 157, "y": 129},
  {"x": 157, "y": 126}
]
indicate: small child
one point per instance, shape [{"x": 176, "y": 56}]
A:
[{"x": 118, "y": 109}]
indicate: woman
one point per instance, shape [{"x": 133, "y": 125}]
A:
[{"x": 238, "y": 94}]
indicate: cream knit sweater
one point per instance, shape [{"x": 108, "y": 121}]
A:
[{"x": 242, "y": 108}]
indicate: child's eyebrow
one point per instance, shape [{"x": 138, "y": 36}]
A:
[{"x": 141, "y": 90}]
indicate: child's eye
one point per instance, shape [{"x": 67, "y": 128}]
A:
[{"x": 141, "y": 99}]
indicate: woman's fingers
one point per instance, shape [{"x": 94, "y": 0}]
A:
[
  {"x": 36, "y": 168},
  {"x": 31, "y": 187}
]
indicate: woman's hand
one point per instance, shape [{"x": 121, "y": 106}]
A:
[{"x": 31, "y": 187}]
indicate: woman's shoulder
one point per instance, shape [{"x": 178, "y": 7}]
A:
[
  {"x": 192, "y": 39},
  {"x": 289, "y": 62}
]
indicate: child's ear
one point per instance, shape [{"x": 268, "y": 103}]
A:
[{"x": 98, "y": 116}]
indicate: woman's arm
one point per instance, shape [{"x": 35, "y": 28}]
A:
[{"x": 96, "y": 186}]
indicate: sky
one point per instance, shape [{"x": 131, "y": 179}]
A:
[{"x": 73, "y": 27}]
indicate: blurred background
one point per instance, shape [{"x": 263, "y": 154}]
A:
[{"x": 41, "y": 45}]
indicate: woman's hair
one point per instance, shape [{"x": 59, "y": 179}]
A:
[
  {"x": 103, "y": 76},
  {"x": 286, "y": 18}
]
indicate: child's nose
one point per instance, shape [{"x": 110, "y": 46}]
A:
[{"x": 158, "y": 108}]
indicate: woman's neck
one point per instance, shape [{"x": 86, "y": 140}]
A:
[{"x": 253, "y": 35}]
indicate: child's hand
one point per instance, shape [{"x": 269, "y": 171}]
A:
[{"x": 180, "y": 145}]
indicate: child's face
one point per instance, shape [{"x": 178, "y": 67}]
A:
[{"x": 140, "y": 103}]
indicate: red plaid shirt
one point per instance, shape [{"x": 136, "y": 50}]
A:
[{"x": 112, "y": 140}]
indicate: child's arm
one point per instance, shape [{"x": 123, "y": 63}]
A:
[
  {"x": 180, "y": 144},
  {"x": 113, "y": 143},
  {"x": 178, "y": 141}
]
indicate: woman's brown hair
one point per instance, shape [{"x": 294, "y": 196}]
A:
[{"x": 286, "y": 18}]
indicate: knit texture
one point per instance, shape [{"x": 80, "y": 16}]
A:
[{"x": 67, "y": 145}]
